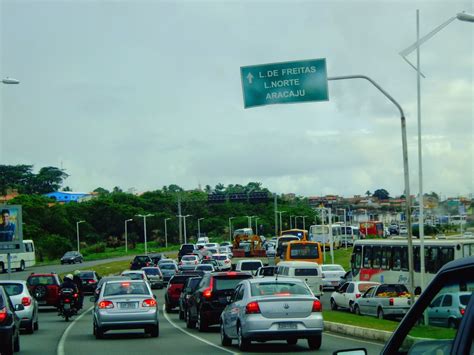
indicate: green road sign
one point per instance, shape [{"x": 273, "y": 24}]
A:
[{"x": 283, "y": 83}]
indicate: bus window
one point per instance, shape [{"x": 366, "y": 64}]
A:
[
  {"x": 376, "y": 256},
  {"x": 416, "y": 258},
  {"x": 396, "y": 259},
  {"x": 386, "y": 257},
  {"x": 356, "y": 257},
  {"x": 404, "y": 258},
  {"x": 466, "y": 250},
  {"x": 367, "y": 256},
  {"x": 303, "y": 251},
  {"x": 447, "y": 255},
  {"x": 431, "y": 260}
]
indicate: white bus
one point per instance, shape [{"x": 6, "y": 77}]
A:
[
  {"x": 322, "y": 234},
  {"x": 19, "y": 261},
  {"x": 349, "y": 235},
  {"x": 386, "y": 260}
]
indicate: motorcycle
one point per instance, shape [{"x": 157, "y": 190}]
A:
[{"x": 68, "y": 300}]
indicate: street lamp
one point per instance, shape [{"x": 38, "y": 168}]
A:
[
  {"x": 199, "y": 226},
  {"x": 126, "y": 235},
  {"x": 280, "y": 212},
  {"x": 184, "y": 224},
  {"x": 77, "y": 232},
  {"x": 144, "y": 216},
  {"x": 345, "y": 225},
  {"x": 166, "y": 232},
  {"x": 230, "y": 228},
  {"x": 304, "y": 223},
  {"x": 10, "y": 81},
  {"x": 462, "y": 16},
  {"x": 256, "y": 225}
]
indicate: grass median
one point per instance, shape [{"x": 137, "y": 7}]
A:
[
  {"x": 107, "y": 269},
  {"x": 419, "y": 331}
]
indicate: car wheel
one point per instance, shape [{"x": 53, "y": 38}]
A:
[
  {"x": 181, "y": 314},
  {"x": 351, "y": 307},
  {"x": 98, "y": 332},
  {"x": 333, "y": 305},
  {"x": 7, "y": 349},
  {"x": 225, "y": 340},
  {"x": 22, "y": 266},
  {"x": 191, "y": 324},
  {"x": 2, "y": 268},
  {"x": 380, "y": 314},
  {"x": 244, "y": 343},
  {"x": 201, "y": 323},
  {"x": 451, "y": 324},
  {"x": 154, "y": 331},
  {"x": 292, "y": 341},
  {"x": 167, "y": 307},
  {"x": 30, "y": 327},
  {"x": 314, "y": 343},
  {"x": 36, "y": 325},
  {"x": 357, "y": 310},
  {"x": 16, "y": 343}
]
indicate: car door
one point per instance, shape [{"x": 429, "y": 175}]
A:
[
  {"x": 339, "y": 295},
  {"x": 348, "y": 295},
  {"x": 445, "y": 311},
  {"x": 365, "y": 301},
  {"x": 434, "y": 314},
  {"x": 233, "y": 311}
]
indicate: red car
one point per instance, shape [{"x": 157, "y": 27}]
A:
[
  {"x": 174, "y": 289},
  {"x": 45, "y": 288}
]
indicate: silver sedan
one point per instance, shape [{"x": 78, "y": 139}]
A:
[
  {"x": 272, "y": 309},
  {"x": 128, "y": 304},
  {"x": 18, "y": 292}
]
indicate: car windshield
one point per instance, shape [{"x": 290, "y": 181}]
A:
[
  {"x": 12, "y": 289},
  {"x": 229, "y": 283},
  {"x": 142, "y": 259},
  {"x": 86, "y": 275},
  {"x": 268, "y": 271},
  {"x": 134, "y": 275},
  {"x": 70, "y": 253},
  {"x": 279, "y": 289},
  {"x": 306, "y": 272},
  {"x": 189, "y": 258},
  {"x": 125, "y": 288},
  {"x": 204, "y": 267},
  {"x": 168, "y": 267}
]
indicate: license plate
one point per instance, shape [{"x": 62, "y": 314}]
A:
[
  {"x": 128, "y": 305},
  {"x": 67, "y": 306},
  {"x": 334, "y": 283},
  {"x": 287, "y": 326}
]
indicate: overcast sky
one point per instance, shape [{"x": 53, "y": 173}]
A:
[{"x": 148, "y": 93}]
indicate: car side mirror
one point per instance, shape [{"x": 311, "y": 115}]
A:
[
  {"x": 19, "y": 307},
  {"x": 154, "y": 296}
]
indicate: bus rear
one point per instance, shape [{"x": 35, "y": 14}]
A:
[{"x": 304, "y": 251}]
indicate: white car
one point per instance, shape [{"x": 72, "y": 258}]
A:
[
  {"x": 206, "y": 268},
  {"x": 224, "y": 261},
  {"x": 189, "y": 260},
  {"x": 212, "y": 245},
  {"x": 348, "y": 293},
  {"x": 332, "y": 274},
  {"x": 226, "y": 250},
  {"x": 251, "y": 265},
  {"x": 18, "y": 292},
  {"x": 136, "y": 275}
]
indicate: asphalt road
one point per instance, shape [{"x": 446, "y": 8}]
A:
[
  {"x": 58, "y": 268},
  {"x": 55, "y": 336}
]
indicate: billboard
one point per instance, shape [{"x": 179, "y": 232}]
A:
[{"x": 11, "y": 231}]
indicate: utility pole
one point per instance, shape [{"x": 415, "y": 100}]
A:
[
  {"x": 179, "y": 220},
  {"x": 276, "y": 213}
]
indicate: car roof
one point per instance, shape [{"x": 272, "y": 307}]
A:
[
  {"x": 250, "y": 261},
  {"x": 298, "y": 263},
  {"x": 132, "y": 272},
  {"x": 43, "y": 274},
  {"x": 270, "y": 279},
  {"x": 220, "y": 254},
  {"x": 132, "y": 281},
  {"x": 3, "y": 282}
]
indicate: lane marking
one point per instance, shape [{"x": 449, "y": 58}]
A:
[
  {"x": 351, "y": 338},
  {"x": 192, "y": 335},
  {"x": 62, "y": 341}
]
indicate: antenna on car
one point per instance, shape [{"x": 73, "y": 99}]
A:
[{"x": 276, "y": 274}]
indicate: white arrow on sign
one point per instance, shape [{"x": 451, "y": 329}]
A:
[{"x": 250, "y": 78}]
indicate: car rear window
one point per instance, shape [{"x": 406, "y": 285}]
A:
[
  {"x": 252, "y": 265},
  {"x": 268, "y": 271},
  {"x": 391, "y": 290},
  {"x": 220, "y": 257},
  {"x": 464, "y": 299},
  {"x": 306, "y": 272},
  {"x": 134, "y": 276},
  {"x": 152, "y": 271},
  {"x": 12, "y": 289},
  {"x": 228, "y": 282},
  {"x": 204, "y": 267},
  {"x": 189, "y": 257},
  {"x": 142, "y": 259},
  {"x": 278, "y": 289},
  {"x": 86, "y": 275},
  {"x": 365, "y": 287},
  {"x": 332, "y": 268},
  {"x": 168, "y": 267},
  {"x": 187, "y": 247},
  {"x": 179, "y": 279},
  {"x": 125, "y": 288},
  {"x": 41, "y": 280}
]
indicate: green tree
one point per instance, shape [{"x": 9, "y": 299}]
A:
[
  {"x": 381, "y": 194},
  {"x": 48, "y": 179},
  {"x": 101, "y": 191}
]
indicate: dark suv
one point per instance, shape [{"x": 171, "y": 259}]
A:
[
  {"x": 188, "y": 288},
  {"x": 141, "y": 261},
  {"x": 9, "y": 324},
  {"x": 174, "y": 289},
  {"x": 45, "y": 288},
  {"x": 185, "y": 250},
  {"x": 210, "y": 298}
]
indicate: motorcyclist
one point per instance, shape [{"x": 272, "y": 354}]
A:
[
  {"x": 68, "y": 283},
  {"x": 77, "y": 280}
]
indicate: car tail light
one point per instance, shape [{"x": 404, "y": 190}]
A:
[
  {"x": 282, "y": 294},
  {"x": 358, "y": 295},
  {"x": 75, "y": 295},
  {"x": 150, "y": 302},
  {"x": 390, "y": 301},
  {"x": 195, "y": 262},
  {"x": 317, "y": 306},
  {"x": 232, "y": 273},
  {"x": 208, "y": 291},
  {"x": 3, "y": 314},
  {"x": 106, "y": 304},
  {"x": 26, "y": 301},
  {"x": 227, "y": 261},
  {"x": 91, "y": 281},
  {"x": 462, "y": 311},
  {"x": 67, "y": 300},
  {"x": 252, "y": 308}
]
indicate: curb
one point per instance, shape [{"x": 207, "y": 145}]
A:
[{"x": 358, "y": 332}]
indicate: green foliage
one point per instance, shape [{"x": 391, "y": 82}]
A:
[
  {"x": 381, "y": 194},
  {"x": 95, "y": 248},
  {"x": 21, "y": 178},
  {"x": 52, "y": 246}
]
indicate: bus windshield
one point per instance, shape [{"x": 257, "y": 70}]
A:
[{"x": 303, "y": 251}]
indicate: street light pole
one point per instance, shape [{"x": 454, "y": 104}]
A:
[
  {"x": 144, "y": 216},
  {"x": 77, "y": 233},
  {"x": 304, "y": 223},
  {"x": 256, "y": 225},
  {"x": 199, "y": 226},
  {"x": 281, "y": 227},
  {"x": 291, "y": 222},
  {"x": 166, "y": 232},
  {"x": 184, "y": 221},
  {"x": 126, "y": 235},
  {"x": 230, "y": 228}
]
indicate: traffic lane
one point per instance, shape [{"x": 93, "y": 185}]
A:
[
  {"x": 330, "y": 343},
  {"x": 59, "y": 269},
  {"x": 80, "y": 340},
  {"x": 44, "y": 341}
]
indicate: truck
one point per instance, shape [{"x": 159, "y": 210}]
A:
[{"x": 384, "y": 301}]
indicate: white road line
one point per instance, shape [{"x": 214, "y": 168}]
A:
[
  {"x": 352, "y": 338},
  {"x": 192, "y": 335},
  {"x": 60, "y": 348}
]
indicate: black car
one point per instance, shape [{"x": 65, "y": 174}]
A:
[
  {"x": 9, "y": 324},
  {"x": 140, "y": 261},
  {"x": 206, "y": 304},
  {"x": 89, "y": 279},
  {"x": 188, "y": 288},
  {"x": 72, "y": 257},
  {"x": 185, "y": 249},
  {"x": 155, "y": 258}
]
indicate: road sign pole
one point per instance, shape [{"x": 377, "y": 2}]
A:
[{"x": 9, "y": 265}]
